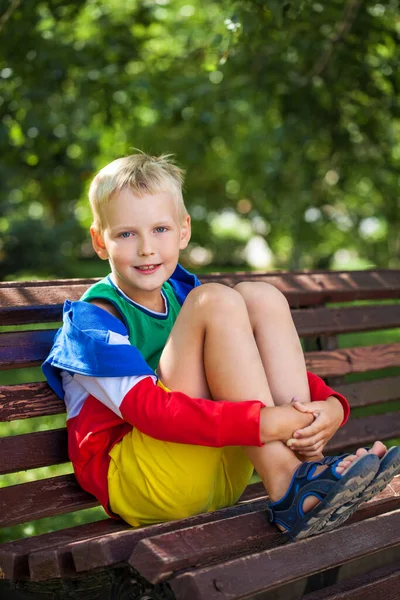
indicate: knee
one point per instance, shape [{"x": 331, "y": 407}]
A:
[
  {"x": 260, "y": 296},
  {"x": 216, "y": 297}
]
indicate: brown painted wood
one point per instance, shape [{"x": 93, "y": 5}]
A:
[
  {"x": 265, "y": 570},
  {"x": 365, "y": 430},
  {"x": 25, "y": 348},
  {"x": 26, "y": 400},
  {"x": 51, "y": 550},
  {"x": 380, "y": 583},
  {"x": 366, "y": 393},
  {"x": 61, "y": 554},
  {"x": 32, "y": 450},
  {"x": 65, "y": 556},
  {"x": 253, "y": 492},
  {"x": 30, "y": 348},
  {"x": 321, "y": 287},
  {"x": 44, "y": 313},
  {"x": 47, "y": 448},
  {"x": 157, "y": 557},
  {"x": 309, "y": 322},
  {"x": 42, "y": 498},
  {"x": 107, "y": 550},
  {"x": 328, "y": 321},
  {"x": 14, "y": 555},
  {"x": 328, "y": 363},
  {"x": 23, "y": 401},
  {"x": 20, "y": 301}
]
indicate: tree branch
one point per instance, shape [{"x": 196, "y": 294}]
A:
[
  {"x": 12, "y": 8},
  {"x": 342, "y": 29}
]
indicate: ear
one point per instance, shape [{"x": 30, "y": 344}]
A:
[
  {"x": 186, "y": 232},
  {"x": 98, "y": 244}
]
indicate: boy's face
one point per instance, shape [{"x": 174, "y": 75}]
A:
[{"x": 141, "y": 239}]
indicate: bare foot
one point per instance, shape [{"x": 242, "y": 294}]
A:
[{"x": 378, "y": 448}]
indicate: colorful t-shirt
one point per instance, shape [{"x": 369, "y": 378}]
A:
[
  {"x": 109, "y": 384},
  {"x": 147, "y": 330}
]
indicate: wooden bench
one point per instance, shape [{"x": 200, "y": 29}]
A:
[{"x": 232, "y": 553}]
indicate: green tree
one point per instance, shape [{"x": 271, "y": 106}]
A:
[{"x": 286, "y": 113}]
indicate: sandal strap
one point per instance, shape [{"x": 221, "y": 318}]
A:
[
  {"x": 331, "y": 460},
  {"x": 289, "y": 509}
]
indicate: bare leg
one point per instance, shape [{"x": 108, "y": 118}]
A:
[
  {"x": 280, "y": 349},
  {"x": 211, "y": 352},
  {"x": 277, "y": 341}
]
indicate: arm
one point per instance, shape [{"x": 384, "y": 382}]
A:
[
  {"x": 174, "y": 416},
  {"x": 330, "y": 409},
  {"x": 320, "y": 391},
  {"x": 94, "y": 348}
]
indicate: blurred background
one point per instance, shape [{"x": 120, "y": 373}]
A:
[{"x": 285, "y": 116}]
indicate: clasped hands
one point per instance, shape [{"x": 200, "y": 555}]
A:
[{"x": 311, "y": 440}]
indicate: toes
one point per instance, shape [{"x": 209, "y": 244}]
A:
[
  {"x": 361, "y": 452},
  {"x": 379, "y": 449},
  {"x": 344, "y": 464}
]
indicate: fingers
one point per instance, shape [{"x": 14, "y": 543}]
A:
[
  {"x": 316, "y": 427},
  {"x": 304, "y": 407},
  {"x": 309, "y": 443},
  {"x": 313, "y": 451}
]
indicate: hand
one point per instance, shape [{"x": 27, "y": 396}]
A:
[{"x": 311, "y": 440}]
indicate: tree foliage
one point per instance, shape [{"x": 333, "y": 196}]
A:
[{"x": 284, "y": 113}]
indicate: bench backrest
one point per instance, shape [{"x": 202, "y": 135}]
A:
[{"x": 24, "y": 304}]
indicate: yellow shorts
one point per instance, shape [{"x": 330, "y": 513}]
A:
[{"x": 150, "y": 481}]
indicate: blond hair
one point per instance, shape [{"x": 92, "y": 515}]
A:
[{"x": 141, "y": 173}]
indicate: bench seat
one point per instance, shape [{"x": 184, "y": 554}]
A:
[{"x": 232, "y": 553}]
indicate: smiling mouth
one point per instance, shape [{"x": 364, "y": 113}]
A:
[{"x": 147, "y": 268}]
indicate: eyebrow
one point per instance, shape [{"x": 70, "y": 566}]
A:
[{"x": 126, "y": 227}]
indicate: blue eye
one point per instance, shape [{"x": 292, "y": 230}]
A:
[
  {"x": 160, "y": 229},
  {"x": 125, "y": 234}
]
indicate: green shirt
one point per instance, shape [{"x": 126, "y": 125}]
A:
[{"x": 147, "y": 330}]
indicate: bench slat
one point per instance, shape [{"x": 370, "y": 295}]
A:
[
  {"x": 301, "y": 289},
  {"x": 30, "y": 348},
  {"x": 32, "y": 450},
  {"x": 14, "y": 555},
  {"x": 42, "y": 498},
  {"x": 109, "y": 544},
  {"x": 311, "y": 322},
  {"x": 366, "y": 393},
  {"x": 329, "y": 363},
  {"x": 158, "y": 556},
  {"x": 379, "y": 583},
  {"x": 46, "y": 448},
  {"x": 110, "y": 549},
  {"x": 46, "y": 313},
  {"x": 24, "y": 348},
  {"x": 330, "y": 321},
  {"x": 106, "y": 550},
  {"x": 365, "y": 430},
  {"x": 266, "y": 570},
  {"x": 23, "y": 401}
]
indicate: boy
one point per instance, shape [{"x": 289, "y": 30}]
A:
[{"x": 175, "y": 391}]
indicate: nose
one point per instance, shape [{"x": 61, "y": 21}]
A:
[{"x": 145, "y": 247}]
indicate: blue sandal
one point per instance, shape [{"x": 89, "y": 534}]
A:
[
  {"x": 389, "y": 467},
  {"x": 331, "y": 488}
]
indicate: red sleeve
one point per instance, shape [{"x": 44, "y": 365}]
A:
[
  {"x": 175, "y": 417},
  {"x": 320, "y": 391}
]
